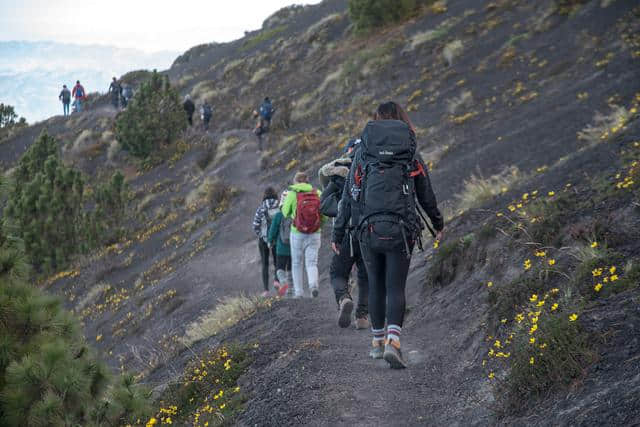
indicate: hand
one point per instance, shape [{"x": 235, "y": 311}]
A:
[
  {"x": 440, "y": 235},
  {"x": 335, "y": 247}
]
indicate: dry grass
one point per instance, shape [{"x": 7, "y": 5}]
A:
[
  {"x": 228, "y": 312},
  {"x": 479, "y": 190},
  {"x": 464, "y": 100},
  {"x": 605, "y": 126},
  {"x": 260, "y": 74},
  {"x": 452, "y": 50}
]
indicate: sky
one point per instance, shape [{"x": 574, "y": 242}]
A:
[{"x": 147, "y": 25}]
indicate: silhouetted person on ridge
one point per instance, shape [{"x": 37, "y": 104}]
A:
[
  {"x": 127, "y": 94},
  {"x": 115, "y": 90},
  {"x": 79, "y": 96},
  {"x": 189, "y": 108},
  {"x": 65, "y": 97}
]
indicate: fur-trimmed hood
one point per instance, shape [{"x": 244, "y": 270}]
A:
[{"x": 339, "y": 167}]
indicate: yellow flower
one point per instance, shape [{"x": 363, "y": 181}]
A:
[
  {"x": 532, "y": 340},
  {"x": 543, "y": 346},
  {"x": 491, "y": 375},
  {"x": 596, "y": 272},
  {"x": 497, "y": 344},
  {"x": 533, "y": 298},
  {"x": 552, "y": 261},
  {"x": 540, "y": 303},
  {"x": 527, "y": 264},
  {"x": 491, "y": 353},
  {"x": 573, "y": 317},
  {"x": 533, "y": 329},
  {"x": 594, "y": 244},
  {"x": 541, "y": 253},
  {"x": 613, "y": 278},
  {"x": 152, "y": 422},
  {"x": 436, "y": 243},
  {"x": 223, "y": 406},
  {"x": 490, "y": 284},
  {"x": 519, "y": 317},
  {"x": 525, "y": 196},
  {"x": 503, "y": 321},
  {"x": 499, "y": 214},
  {"x": 511, "y": 208},
  {"x": 168, "y": 420},
  {"x": 551, "y": 193},
  {"x": 597, "y": 287},
  {"x": 612, "y": 269},
  {"x": 532, "y": 361}
]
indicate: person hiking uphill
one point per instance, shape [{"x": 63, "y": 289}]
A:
[
  {"x": 333, "y": 176},
  {"x": 65, "y": 97},
  {"x": 206, "y": 112},
  {"x": 116, "y": 91},
  {"x": 261, "y": 222},
  {"x": 302, "y": 205},
  {"x": 279, "y": 236},
  {"x": 264, "y": 114},
  {"x": 127, "y": 94},
  {"x": 79, "y": 96},
  {"x": 386, "y": 177},
  {"x": 189, "y": 108}
]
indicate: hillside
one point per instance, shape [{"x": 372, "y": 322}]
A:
[{"x": 527, "y": 114}]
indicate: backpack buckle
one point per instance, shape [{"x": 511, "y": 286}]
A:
[{"x": 405, "y": 189}]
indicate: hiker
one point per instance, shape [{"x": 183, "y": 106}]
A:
[
  {"x": 386, "y": 177},
  {"x": 189, "y": 108},
  {"x": 332, "y": 177},
  {"x": 302, "y": 205},
  {"x": 79, "y": 95},
  {"x": 279, "y": 235},
  {"x": 205, "y": 114},
  {"x": 65, "y": 97},
  {"x": 264, "y": 114},
  {"x": 261, "y": 221},
  {"x": 116, "y": 91},
  {"x": 127, "y": 94}
]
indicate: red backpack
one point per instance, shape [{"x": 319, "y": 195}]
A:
[{"x": 308, "y": 219}]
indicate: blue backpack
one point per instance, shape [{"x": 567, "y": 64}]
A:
[
  {"x": 79, "y": 92},
  {"x": 266, "y": 110}
]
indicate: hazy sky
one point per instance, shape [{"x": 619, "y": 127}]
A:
[{"x": 142, "y": 24}]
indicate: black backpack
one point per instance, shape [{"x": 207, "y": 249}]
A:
[
  {"x": 386, "y": 196},
  {"x": 285, "y": 230}
]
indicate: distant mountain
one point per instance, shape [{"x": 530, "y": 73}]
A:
[{"x": 32, "y": 73}]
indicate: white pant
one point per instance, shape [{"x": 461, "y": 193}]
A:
[{"x": 304, "y": 246}]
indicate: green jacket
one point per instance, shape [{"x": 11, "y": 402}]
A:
[
  {"x": 290, "y": 203},
  {"x": 282, "y": 249}
]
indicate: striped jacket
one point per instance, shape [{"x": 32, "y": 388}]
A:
[{"x": 261, "y": 215}]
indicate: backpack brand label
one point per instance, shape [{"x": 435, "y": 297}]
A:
[{"x": 386, "y": 153}]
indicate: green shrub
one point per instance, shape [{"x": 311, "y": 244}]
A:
[
  {"x": 371, "y": 14},
  {"x": 45, "y": 208},
  {"x": 154, "y": 117},
  {"x": 9, "y": 121}
]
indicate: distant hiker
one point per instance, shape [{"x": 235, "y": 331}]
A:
[
  {"x": 279, "y": 236},
  {"x": 264, "y": 114},
  {"x": 116, "y": 91},
  {"x": 189, "y": 108},
  {"x": 65, "y": 97},
  {"x": 261, "y": 221},
  {"x": 386, "y": 177},
  {"x": 205, "y": 114},
  {"x": 79, "y": 96},
  {"x": 302, "y": 205},
  {"x": 333, "y": 176},
  {"x": 127, "y": 94}
]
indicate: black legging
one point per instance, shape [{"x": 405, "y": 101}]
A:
[
  {"x": 264, "y": 258},
  {"x": 340, "y": 270},
  {"x": 387, "y": 273}
]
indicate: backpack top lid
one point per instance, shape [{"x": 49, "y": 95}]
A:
[{"x": 388, "y": 141}]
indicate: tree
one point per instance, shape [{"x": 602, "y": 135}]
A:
[
  {"x": 9, "y": 121},
  {"x": 48, "y": 374},
  {"x": 153, "y": 118}
]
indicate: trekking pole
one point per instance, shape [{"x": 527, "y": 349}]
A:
[{"x": 433, "y": 233}]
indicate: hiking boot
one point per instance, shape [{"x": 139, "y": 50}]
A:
[
  {"x": 362, "y": 323},
  {"x": 344, "y": 318},
  {"x": 314, "y": 292},
  {"x": 393, "y": 356},
  {"x": 282, "y": 290},
  {"x": 377, "y": 349}
]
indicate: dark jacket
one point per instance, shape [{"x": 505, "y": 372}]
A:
[
  {"x": 65, "y": 96},
  {"x": 332, "y": 178},
  {"x": 349, "y": 210},
  {"x": 189, "y": 107}
]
